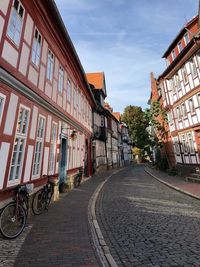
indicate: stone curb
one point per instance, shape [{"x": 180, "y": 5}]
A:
[
  {"x": 173, "y": 186},
  {"x": 100, "y": 245}
]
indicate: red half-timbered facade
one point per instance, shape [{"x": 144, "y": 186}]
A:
[
  {"x": 44, "y": 96},
  {"x": 179, "y": 86}
]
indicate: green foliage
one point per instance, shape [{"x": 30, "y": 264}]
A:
[
  {"x": 161, "y": 161},
  {"x": 134, "y": 117}
]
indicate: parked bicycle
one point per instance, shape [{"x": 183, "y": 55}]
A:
[
  {"x": 14, "y": 215},
  {"x": 42, "y": 197}
]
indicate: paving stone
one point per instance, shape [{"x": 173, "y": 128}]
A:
[{"x": 147, "y": 223}]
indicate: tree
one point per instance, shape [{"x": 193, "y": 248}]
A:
[
  {"x": 134, "y": 117},
  {"x": 157, "y": 119}
]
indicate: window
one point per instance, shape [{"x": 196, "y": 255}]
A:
[
  {"x": 198, "y": 99},
  {"x": 167, "y": 62},
  {"x": 172, "y": 85},
  {"x": 170, "y": 118},
  {"x": 19, "y": 144},
  {"x": 79, "y": 101},
  {"x": 178, "y": 112},
  {"x": 184, "y": 110},
  {"x": 186, "y": 38},
  {"x": 39, "y": 146},
  {"x": 2, "y": 102},
  {"x": 36, "y": 49},
  {"x": 180, "y": 47},
  {"x": 184, "y": 73},
  {"x": 68, "y": 90},
  {"x": 193, "y": 67},
  {"x": 52, "y": 155},
  {"x": 173, "y": 54},
  {"x": 184, "y": 144},
  {"x": 75, "y": 97},
  {"x": 178, "y": 82},
  {"x": 15, "y": 24},
  {"x": 191, "y": 105},
  {"x": 177, "y": 147},
  {"x": 50, "y": 63},
  {"x": 191, "y": 143},
  {"x": 60, "y": 79}
]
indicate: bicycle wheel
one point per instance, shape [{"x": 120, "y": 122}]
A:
[
  {"x": 39, "y": 202},
  {"x": 12, "y": 220},
  {"x": 49, "y": 196}
]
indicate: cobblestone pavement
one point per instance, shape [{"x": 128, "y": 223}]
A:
[
  {"x": 59, "y": 237},
  {"x": 146, "y": 223}
]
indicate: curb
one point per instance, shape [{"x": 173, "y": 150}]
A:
[
  {"x": 172, "y": 186},
  {"x": 99, "y": 243}
]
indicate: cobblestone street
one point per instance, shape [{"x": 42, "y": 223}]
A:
[{"x": 146, "y": 223}]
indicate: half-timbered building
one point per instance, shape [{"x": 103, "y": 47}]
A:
[
  {"x": 45, "y": 100},
  {"x": 99, "y": 144},
  {"x": 179, "y": 86}
]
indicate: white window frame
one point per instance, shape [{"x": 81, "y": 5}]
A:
[
  {"x": 17, "y": 161},
  {"x": 179, "y": 113},
  {"x": 15, "y": 22},
  {"x": 36, "y": 47},
  {"x": 198, "y": 99},
  {"x": 170, "y": 117},
  {"x": 191, "y": 143},
  {"x": 69, "y": 90},
  {"x": 186, "y": 38},
  {"x": 193, "y": 67},
  {"x": 39, "y": 145},
  {"x": 180, "y": 46},
  {"x": 191, "y": 105},
  {"x": 178, "y": 81},
  {"x": 52, "y": 152},
  {"x": 184, "y": 74},
  {"x": 50, "y": 65},
  {"x": 173, "y": 53},
  {"x": 184, "y": 144},
  {"x": 184, "y": 110},
  {"x": 2, "y": 105},
  {"x": 75, "y": 97},
  {"x": 60, "y": 79}
]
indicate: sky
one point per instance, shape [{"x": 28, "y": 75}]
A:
[{"x": 126, "y": 40}]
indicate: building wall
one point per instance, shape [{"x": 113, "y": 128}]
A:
[
  {"x": 181, "y": 98},
  {"x": 32, "y": 104}
]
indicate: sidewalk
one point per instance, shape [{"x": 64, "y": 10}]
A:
[
  {"x": 176, "y": 182},
  {"x": 61, "y": 236}
]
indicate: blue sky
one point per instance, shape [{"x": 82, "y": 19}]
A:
[{"x": 126, "y": 40}]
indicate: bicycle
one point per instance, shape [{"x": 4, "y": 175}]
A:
[
  {"x": 42, "y": 197},
  {"x": 14, "y": 215}
]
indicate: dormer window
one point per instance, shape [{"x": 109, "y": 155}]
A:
[
  {"x": 180, "y": 47},
  {"x": 173, "y": 55},
  {"x": 186, "y": 38}
]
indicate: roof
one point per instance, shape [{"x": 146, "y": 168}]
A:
[
  {"x": 179, "y": 35},
  {"x": 117, "y": 115},
  {"x": 97, "y": 79}
]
